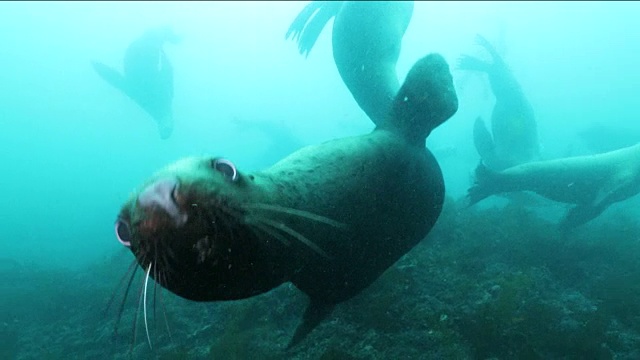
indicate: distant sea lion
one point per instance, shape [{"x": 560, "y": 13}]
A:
[
  {"x": 366, "y": 41},
  {"x": 592, "y": 182},
  {"x": 330, "y": 218},
  {"x": 148, "y": 76},
  {"x": 513, "y": 139}
]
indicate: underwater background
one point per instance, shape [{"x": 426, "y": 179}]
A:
[{"x": 493, "y": 281}]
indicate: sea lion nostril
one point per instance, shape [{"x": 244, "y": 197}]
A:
[
  {"x": 123, "y": 234},
  {"x": 161, "y": 195},
  {"x": 158, "y": 193}
]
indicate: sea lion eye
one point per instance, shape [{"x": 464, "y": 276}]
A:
[
  {"x": 226, "y": 167},
  {"x": 122, "y": 233}
]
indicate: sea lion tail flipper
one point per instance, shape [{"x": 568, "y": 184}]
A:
[
  {"x": 426, "y": 99},
  {"x": 110, "y": 75},
  {"x": 316, "y": 312},
  {"x": 483, "y": 142},
  {"x": 486, "y": 181},
  {"x": 307, "y": 26}
]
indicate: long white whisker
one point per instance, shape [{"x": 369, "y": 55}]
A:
[
  {"x": 296, "y": 212},
  {"x": 255, "y": 223},
  {"x": 144, "y": 300},
  {"x": 295, "y": 234}
]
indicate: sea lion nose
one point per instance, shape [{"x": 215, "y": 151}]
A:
[{"x": 160, "y": 194}]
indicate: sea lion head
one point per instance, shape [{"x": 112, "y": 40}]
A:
[
  {"x": 189, "y": 228},
  {"x": 426, "y": 99}
]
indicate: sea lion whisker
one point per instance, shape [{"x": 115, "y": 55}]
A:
[
  {"x": 144, "y": 301},
  {"x": 135, "y": 318},
  {"x": 303, "y": 239},
  {"x": 264, "y": 228},
  {"x": 164, "y": 312},
  {"x": 132, "y": 267},
  {"x": 155, "y": 291},
  {"x": 124, "y": 298},
  {"x": 296, "y": 212}
]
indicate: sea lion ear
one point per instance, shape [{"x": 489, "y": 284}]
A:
[{"x": 426, "y": 99}]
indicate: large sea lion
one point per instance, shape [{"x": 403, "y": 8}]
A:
[
  {"x": 330, "y": 218},
  {"x": 513, "y": 139},
  {"x": 366, "y": 42},
  {"x": 148, "y": 76},
  {"x": 591, "y": 182}
]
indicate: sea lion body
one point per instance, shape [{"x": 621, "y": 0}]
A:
[
  {"x": 148, "y": 76},
  {"x": 591, "y": 182},
  {"x": 329, "y": 218},
  {"x": 513, "y": 139},
  {"x": 366, "y": 42}
]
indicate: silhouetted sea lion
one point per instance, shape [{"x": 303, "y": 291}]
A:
[
  {"x": 513, "y": 139},
  {"x": 366, "y": 42},
  {"x": 592, "y": 182},
  {"x": 330, "y": 218},
  {"x": 148, "y": 76}
]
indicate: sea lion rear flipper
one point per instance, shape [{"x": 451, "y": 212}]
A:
[
  {"x": 111, "y": 76},
  {"x": 316, "y": 312},
  {"x": 486, "y": 181},
  {"x": 308, "y": 25}
]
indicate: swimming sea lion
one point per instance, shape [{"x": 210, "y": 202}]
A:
[
  {"x": 148, "y": 76},
  {"x": 330, "y": 218},
  {"x": 513, "y": 124},
  {"x": 366, "y": 42},
  {"x": 591, "y": 182}
]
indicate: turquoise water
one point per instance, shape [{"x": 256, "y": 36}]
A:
[{"x": 73, "y": 148}]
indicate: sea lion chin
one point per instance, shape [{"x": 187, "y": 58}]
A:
[{"x": 329, "y": 218}]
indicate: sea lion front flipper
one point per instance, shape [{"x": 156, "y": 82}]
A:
[
  {"x": 483, "y": 142},
  {"x": 468, "y": 62},
  {"x": 581, "y": 214},
  {"x": 307, "y": 26},
  {"x": 618, "y": 190},
  {"x": 316, "y": 312},
  {"x": 111, "y": 76},
  {"x": 482, "y": 41}
]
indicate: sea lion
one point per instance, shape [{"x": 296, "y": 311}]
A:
[
  {"x": 330, "y": 218},
  {"x": 366, "y": 42},
  {"x": 591, "y": 182},
  {"x": 513, "y": 139},
  {"x": 148, "y": 76}
]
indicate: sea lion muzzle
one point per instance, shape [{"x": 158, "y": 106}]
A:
[{"x": 162, "y": 195}]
